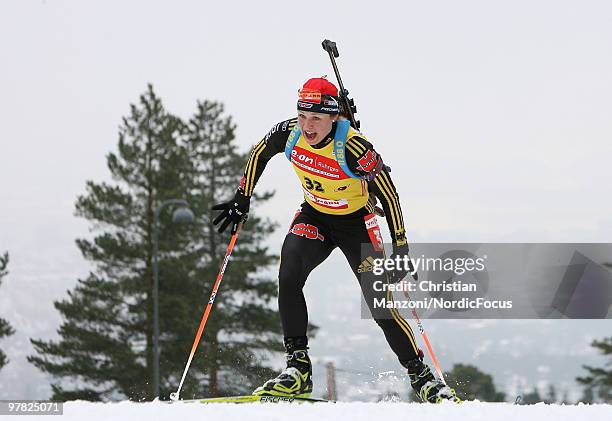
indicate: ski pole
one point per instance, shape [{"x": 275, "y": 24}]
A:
[
  {"x": 351, "y": 109},
  {"x": 424, "y": 335},
  {"x": 175, "y": 395},
  {"x": 419, "y": 323}
]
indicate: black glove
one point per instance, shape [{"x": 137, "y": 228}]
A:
[
  {"x": 233, "y": 212},
  {"x": 402, "y": 269}
]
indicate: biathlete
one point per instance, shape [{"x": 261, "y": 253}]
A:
[{"x": 342, "y": 176}]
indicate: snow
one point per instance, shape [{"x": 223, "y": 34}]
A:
[{"x": 355, "y": 411}]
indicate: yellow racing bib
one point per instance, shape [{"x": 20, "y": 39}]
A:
[{"x": 327, "y": 188}]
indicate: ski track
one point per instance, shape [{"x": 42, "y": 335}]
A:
[{"x": 355, "y": 411}]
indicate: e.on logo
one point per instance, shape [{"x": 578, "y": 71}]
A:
[{"x": 302, "y": 158}]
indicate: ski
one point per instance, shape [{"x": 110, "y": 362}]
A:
[{"x": 258, "y": 399}]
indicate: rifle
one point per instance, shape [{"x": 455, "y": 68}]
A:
[{"x": 347, "y": 104}]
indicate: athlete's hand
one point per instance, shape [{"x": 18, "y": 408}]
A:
[
  {"x": 403, "y": 265},
  {"x": 233, "y": 212}
]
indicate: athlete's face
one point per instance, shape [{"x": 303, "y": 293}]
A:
[{"x": 315, "y": 126}]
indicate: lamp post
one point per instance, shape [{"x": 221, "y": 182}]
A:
[{"x": 182, "y": 214}]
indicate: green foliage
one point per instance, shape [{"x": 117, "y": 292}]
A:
[
  {"x": 5, "y": 327},
  {"x": 470, "y": 383},
  {"x": 552, "y": 394},
  {"x": 4, "y": 259},
  {"x": 598, "y": 381},
  {"x": 588, "y": 396},
  {"x": 531, "y": 398},
  {"x": 105, "y": 350}
]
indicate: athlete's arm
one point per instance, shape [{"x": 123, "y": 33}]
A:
[
  {"x": 236, "y": 210},
  {"x": 364, "y": 160},
  {"x": 272, "y": 144}
]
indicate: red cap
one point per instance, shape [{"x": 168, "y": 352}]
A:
[
  {"x": 319, "y": 95},
  {"x": 321, "y": 85}
]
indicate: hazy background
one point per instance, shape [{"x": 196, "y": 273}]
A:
[{"x": 495, "y": 117}]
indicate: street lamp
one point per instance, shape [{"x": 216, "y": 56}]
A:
[{"x": 180, "y": 215}]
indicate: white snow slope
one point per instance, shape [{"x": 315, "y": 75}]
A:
[{"x": 473, "y": 411}]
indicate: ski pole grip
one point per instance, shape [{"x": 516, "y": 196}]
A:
[{"x": 331, "y": 48}]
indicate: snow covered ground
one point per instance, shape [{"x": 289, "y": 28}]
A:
[{"x": 473, "y": 411}]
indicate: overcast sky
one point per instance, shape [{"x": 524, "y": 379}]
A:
[{"x": 494, "y": 116}]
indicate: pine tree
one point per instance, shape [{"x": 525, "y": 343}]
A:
[
  {"x": 598, "y": 382},
  {"x": 471, "y": 383},
  {"x": 552, "y": 394},
  {"x": 244, "y": 324},
  {"x": 588, "y": 396},
  {"x": 5, "y": 327},
  {"x": 565, "y": 398},
  {"x": 531, "y": 398},
  {"x": 106, "y": 337}
]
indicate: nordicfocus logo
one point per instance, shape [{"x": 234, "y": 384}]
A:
[{"x": 367, "y": 265}]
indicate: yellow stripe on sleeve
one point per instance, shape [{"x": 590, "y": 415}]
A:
[
  {"x": 358, "y": 146},
  {"x": 384, "y": 178},
  {"x": 387, "y": 195},
  {"x": 251, "y": 167}
]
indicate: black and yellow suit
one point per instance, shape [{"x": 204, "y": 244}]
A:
[{"x": 334, "y": 214}]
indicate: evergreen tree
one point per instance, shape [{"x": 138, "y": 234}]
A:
[
  {"x": 244, "y": 327},
  {"x": 552, "y": 394},
  {"x": 565, "y": 398},
  {"x": 471, "y": 383},
  {"x": 106, "y": 337},
  {"x": 531, "y": 398},
  {"x": 598, "y": 381},
  {"x": 588, "y": 396},
  {"x": 5, "y": 327}
]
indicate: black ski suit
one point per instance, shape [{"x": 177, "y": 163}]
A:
[{"x": 328, "y": 220}]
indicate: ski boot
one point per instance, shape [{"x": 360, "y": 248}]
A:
[
  {"x": 294, "y": 381},
  {"x": 426, "y": 386}
]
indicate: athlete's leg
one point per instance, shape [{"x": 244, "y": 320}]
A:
[
  {"x": 398, "y": 333},
  {"x": 306, "y": 245},
  {"x": 353, "y": 239}
]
